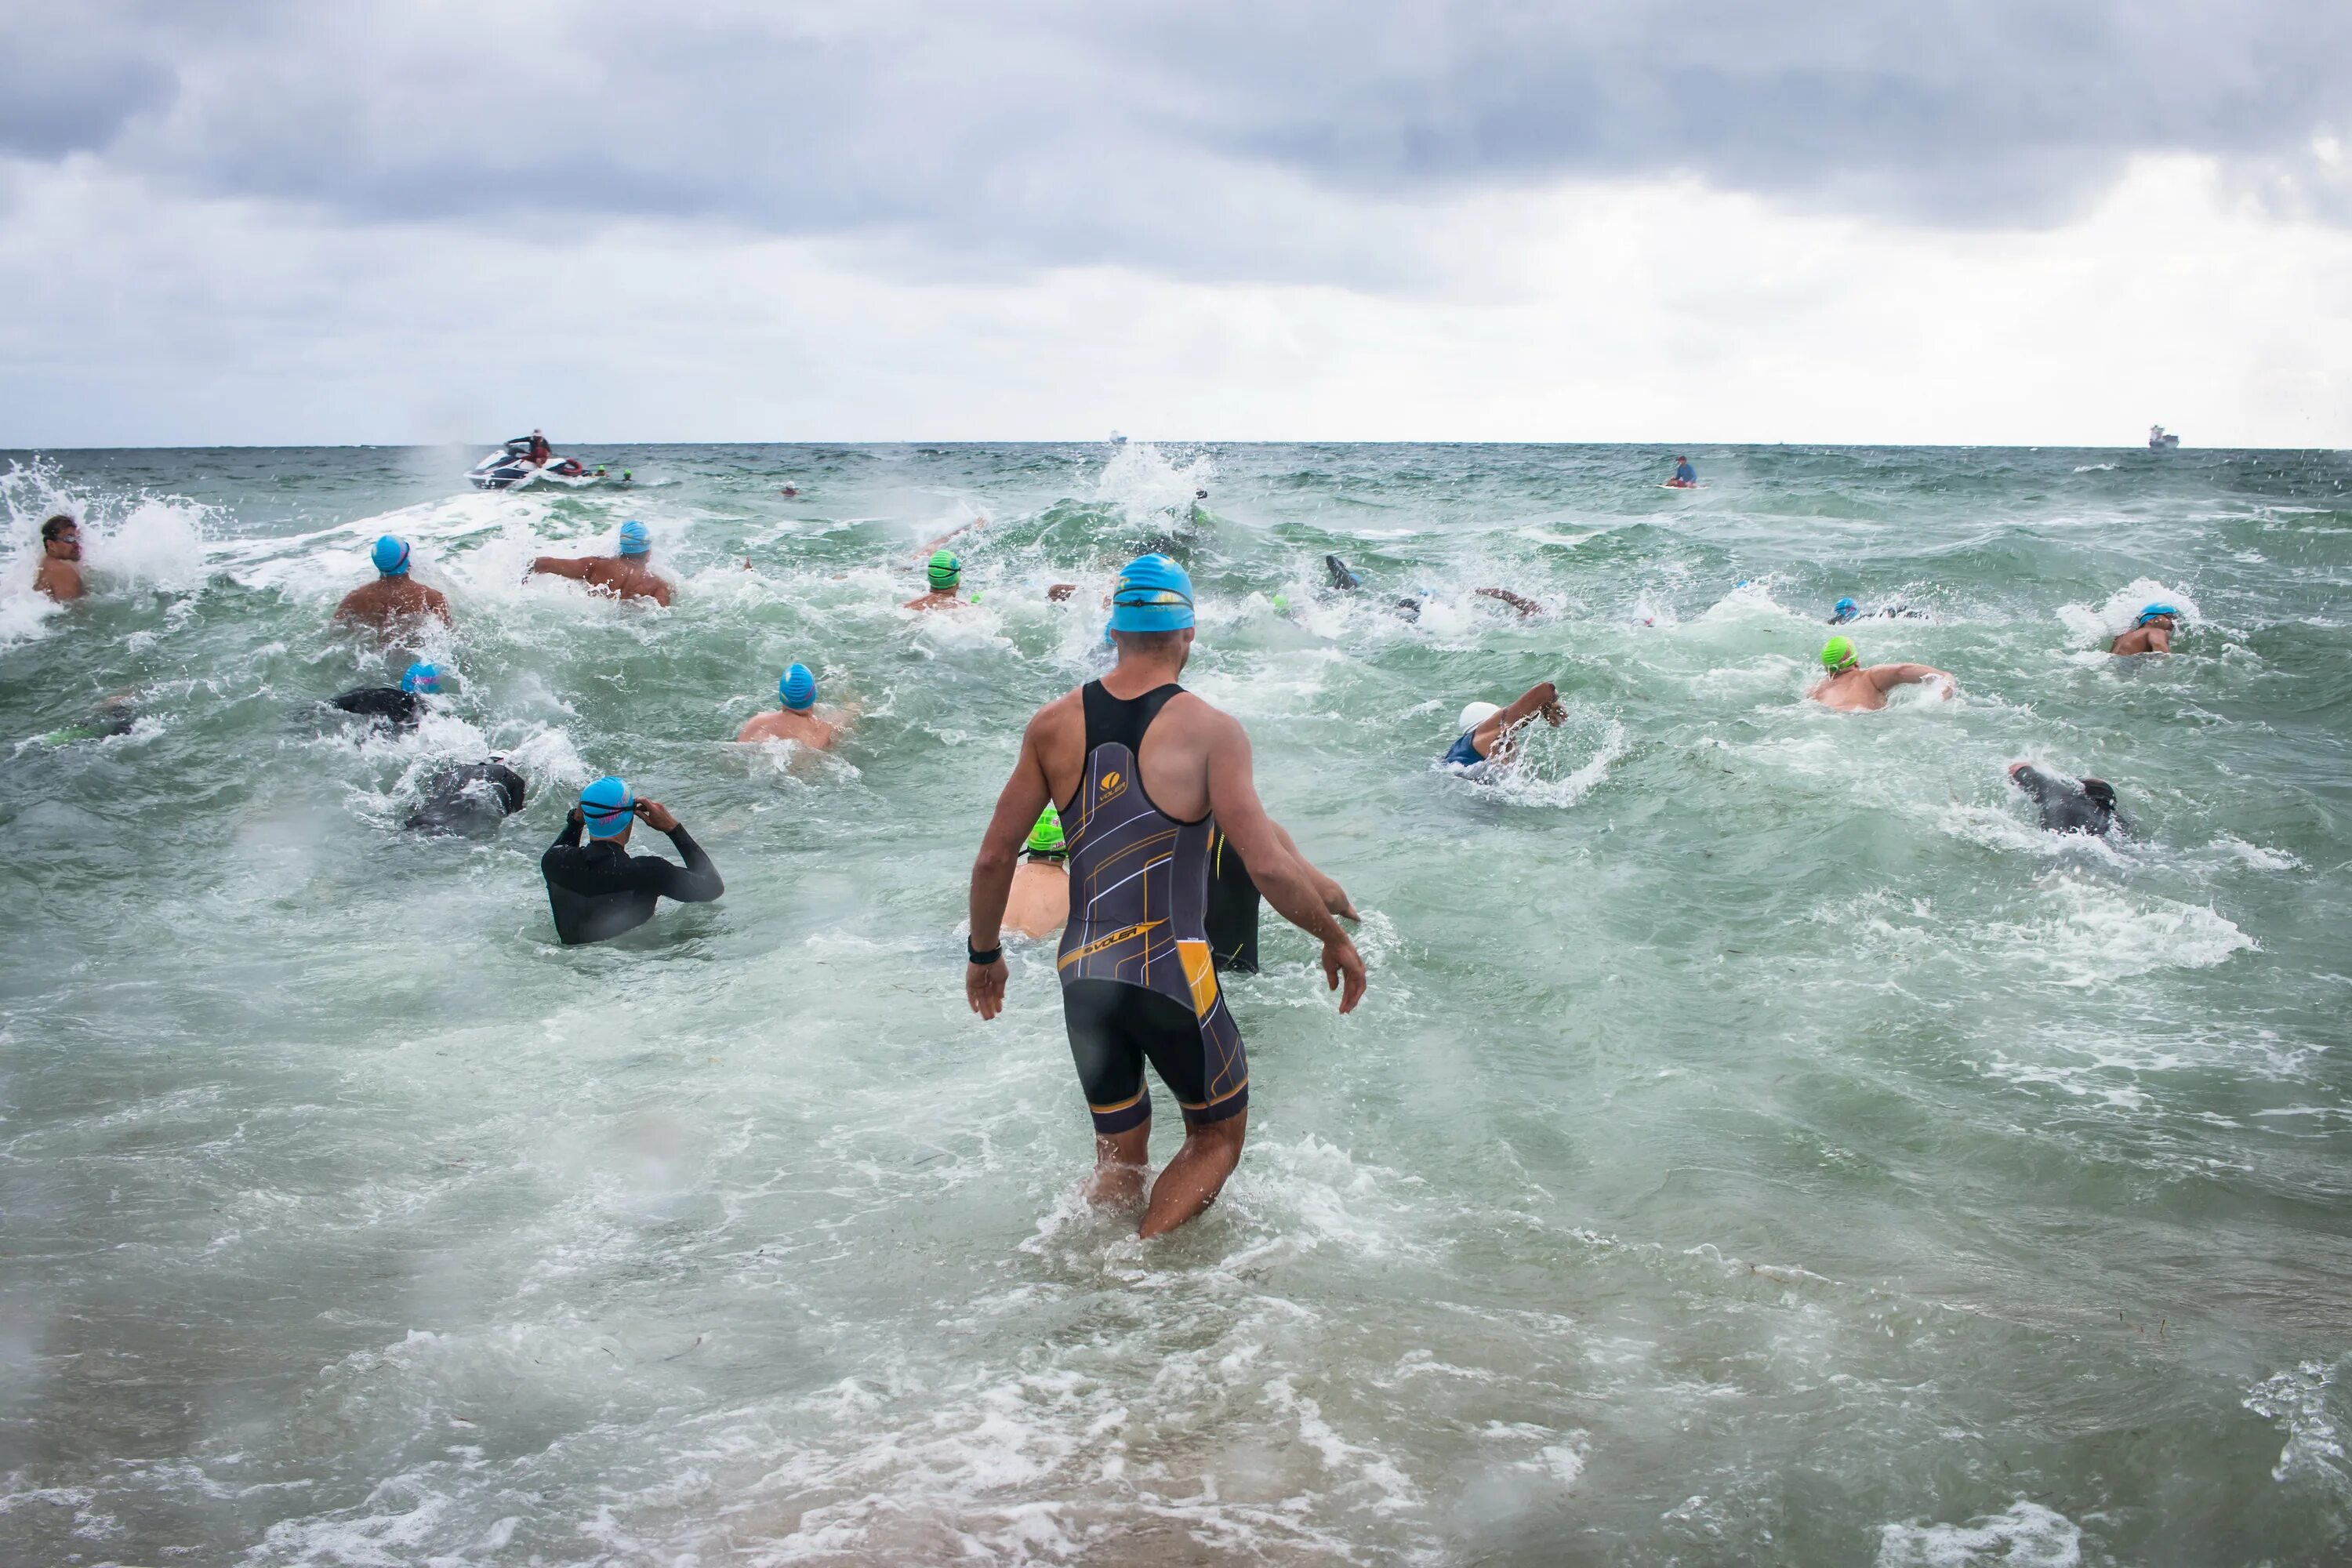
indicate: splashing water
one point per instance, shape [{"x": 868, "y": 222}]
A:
[{"x": 1760, "y": 1143}]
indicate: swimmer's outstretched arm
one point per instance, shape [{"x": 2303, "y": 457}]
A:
[
  {"x": 573, "y": 567},
  {"x": 1024, "y": 798},
  {"x": 1525, "y": 606},
  {"x": 1886, "y": 676},
  {"x": 1233, "y": 800}
]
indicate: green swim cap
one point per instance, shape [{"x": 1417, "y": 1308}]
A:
[
  {"x": 945, "y": 570},
  {"x": 1045, "y": 838},
  {"x": 1838, "y": 654}
]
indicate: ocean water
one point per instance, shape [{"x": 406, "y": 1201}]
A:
[{"x": 1759, "y": 1142}]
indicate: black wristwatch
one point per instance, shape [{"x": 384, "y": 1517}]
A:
[{"x": 983, "y": 959}]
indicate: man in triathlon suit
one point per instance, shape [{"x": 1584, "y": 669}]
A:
[
  {"x": 602, "y": 891},
  {"x": 1145, "y": 774}
]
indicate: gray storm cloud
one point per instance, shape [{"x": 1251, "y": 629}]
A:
[{"x": 1210, "y": 139}]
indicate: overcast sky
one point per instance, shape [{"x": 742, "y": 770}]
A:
[{"x": 1682, "y": 221}]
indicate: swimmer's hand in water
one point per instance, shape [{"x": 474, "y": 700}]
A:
[
  {"x": 983, "y": 987},
  {"x": 1343, "y": 971},
  {"x": 1060, "y": 590},
  {"x": 657, "y": 816},
  {"x": 1553, "y": 714}
]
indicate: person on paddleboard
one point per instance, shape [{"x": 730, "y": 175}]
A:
[{"x": 1143, "y": 775}]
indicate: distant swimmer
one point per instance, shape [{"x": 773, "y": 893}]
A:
[
  {"x": 945, "y": 574},
  {"x": 468, "y": 797},
  {"x": 1685, "y": 477},
  {"x": 1342, "y": 578},
  {"x": 403, "y": 707},
  {"x": 60, "y": 574},
  {"x": 789, "y": 492},
  {"x": 599, "y": 890},
  {"x": 1852, "y": 689},
  {"x": 1138, "y": 981},
  {"x": 1234, "y": 899},
  {"x": 2152, "y": 633},
  {"x": 116, "y": 715},
  {"x": 1489, "y": 732},
  {"x": 1845, "y": 612},
  {"x": 626, "y": 574},
  {"x": 1039, "y": 903},
  {"x": 798, "y": 719},
  {"x": 2067, "y": 805},
  {"x": 395, "y": 595}
]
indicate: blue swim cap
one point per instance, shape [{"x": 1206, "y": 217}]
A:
[
  {"x": 635, "y": 539},
  {"x": 1153, "y": 595},
  {"x": 421, "y": 677},
  {"x": 390, "y": 556},
  {"x": 606, "y": 806},
  {"x": 2153, "y": 611},
  {"x": 1842, "y": 605},
  {"x": 798, "y": 688}
]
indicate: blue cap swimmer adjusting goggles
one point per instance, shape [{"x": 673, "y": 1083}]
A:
[
  {"x": 421, "y": 677},
  {"x": 2153, "y": 611},
  {"x": 607, "y": 807},
  {"x": 798, "y": 689},
  {"x": 1153, "y": 595},
  {"x": 390, "y": 556},
  {"x": 634, "y": 538}
]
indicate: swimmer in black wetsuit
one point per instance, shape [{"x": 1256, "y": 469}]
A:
[
  {"x": 2068, "y": 806},
  {"x": 403, "y": 707},
  {"x": 601, "y": 890},
  {"x": 467, "y": 798},
  {"x": 1231, "y": 919},
  {"x": 1147, "y": 773}
]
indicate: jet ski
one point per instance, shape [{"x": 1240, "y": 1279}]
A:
[{"x": 511, "y": 465}]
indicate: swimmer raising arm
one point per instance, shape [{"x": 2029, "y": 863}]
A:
[{"x": 1525, "y": 606}]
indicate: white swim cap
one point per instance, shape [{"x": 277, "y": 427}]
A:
[{"x": 1478, "y": 713}]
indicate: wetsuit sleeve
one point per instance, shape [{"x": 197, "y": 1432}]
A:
[
  {"x": 696, "y": 881},
  {"x": 567, "y": 836}
]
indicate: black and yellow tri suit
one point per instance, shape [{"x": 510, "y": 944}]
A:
[{"x": 1137, "y": 980}]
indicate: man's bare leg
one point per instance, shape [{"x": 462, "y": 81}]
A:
[
  {"x": 1196, "y": 1175},
  {"x": 1120, "y": 1161}
]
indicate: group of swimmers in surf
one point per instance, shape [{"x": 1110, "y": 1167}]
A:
[{"x": 1130, "y": 824}]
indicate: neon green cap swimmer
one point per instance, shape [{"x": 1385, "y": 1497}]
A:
[
  {"x": 1045, "y": 838},
  {"x": 945, "y": 570},
  {"x": 1838, "y": 654}
]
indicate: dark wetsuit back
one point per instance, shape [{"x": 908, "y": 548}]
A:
[
  {"x": 402, "y": 710},
  {"x": 1137, "y": 980},
  {"x": 2067, "y": 806},
  {"x": 467, "y": 797},
  {"x": 1232, "y": 918},
  {"x": 600, "y": 890}
]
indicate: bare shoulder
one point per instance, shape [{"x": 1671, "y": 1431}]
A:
[
  {"x": 1064, "y": 712},
  {"x": 1195, "y": 715}
]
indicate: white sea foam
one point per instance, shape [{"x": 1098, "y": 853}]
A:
[{"x": 2023, "y": 1535}]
